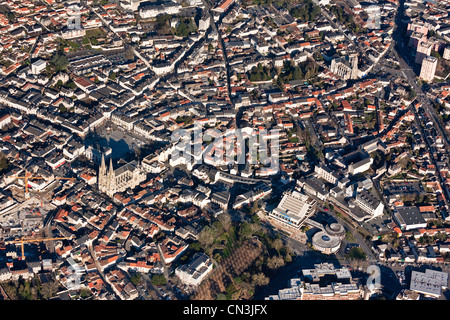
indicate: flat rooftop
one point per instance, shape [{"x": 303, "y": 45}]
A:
[
  {"x": 295, "y": 206},
  {"x": 410, "y": 215},
  {"x": 430, "y": 282}
]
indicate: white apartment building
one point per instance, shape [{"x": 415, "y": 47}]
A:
[
  {"x": 446, "y": 54},
  {"x": 369, "y": 203},
  {"x": 428, "y": 69},
  {"x": 204, "y": 23},
  {"x": 5, "y": 120},
  {"x": 326, "y": 173},
  {"x": 360, "y": 166},
  {"x": 163, "y": 68},
  {"x": 423, "y": 50},
  {"x": 123, "y": 121},
  {"x": 154, "y": 9}
]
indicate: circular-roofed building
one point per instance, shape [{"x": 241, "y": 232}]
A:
[
  {"x": 326, "y": 243},
  {"x": 335, "y": 229}
]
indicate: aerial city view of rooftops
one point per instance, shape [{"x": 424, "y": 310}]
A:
[{"x": 224, "y": 150}]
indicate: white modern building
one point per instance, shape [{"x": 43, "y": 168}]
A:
[
  {"x": 196, "y": 270},
  {"x": 293, "y": 209},
  {"x": 326, "y": 243},
  {"x": 309, "y": 286},
  {"x": 409, "y": 218},
  {"x": 204, "y": 23},
  {"x": 38, "y": 66}
]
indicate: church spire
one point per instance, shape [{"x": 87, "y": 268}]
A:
[
  {"x": 103, "y": 166},
  {"x": 102, "y": 173},
  {"x": 111, "y": 189},
  {"x": 111, "y": 168}
]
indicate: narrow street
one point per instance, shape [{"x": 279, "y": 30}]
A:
[
  {"x": 221, "y": 43},
  {"x": 102, "y": 275},
  {"x": 150, "y": 285},
  {"x": 401, "y": 52}
]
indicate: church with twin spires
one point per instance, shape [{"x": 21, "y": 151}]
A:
[{"x": 128, "y": 175}]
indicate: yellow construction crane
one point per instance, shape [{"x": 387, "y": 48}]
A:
[
  {"x": 27, "y": 177},
  {"x": 22, "y": 241}
]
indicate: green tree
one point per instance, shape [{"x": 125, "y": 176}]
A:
[
  {"x": 162, "y": 24},
  {"x": 85, "y": 293},
  {"x": 275, "y": 262},
  {"x": 255, "y": 207},
  {"x": 49, "y": 289},
  {"x": 245, "y": 230},
  {"x": 225, "y": 220},
  {"x": 435, "y": 54},
  {"x": 136, "y": 278},
  {"x": 260, "y": 279},
  {"x": 4, "y": 163},
  {"x": 231, "y": 289},
  {"x": 221, "y": 296},
  {"x": 112, "y": 76},
  {"x": 24, "y": 291},
  {"x": 207, "y": 236},
  {"x": 306, "y": 10},
  {"x": 277, "y": 244},
  {"x": 158, "y": 280},
  {"x": 59, "y": 62},
  {"x": 356, "y": 253},
  {"x": 260, "y": 73},
  {"x": 182, "y": 30}
]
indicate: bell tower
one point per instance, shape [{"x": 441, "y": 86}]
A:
[
  {"x": 111, "y": 183},
  {"x": 102, "y": 175}
]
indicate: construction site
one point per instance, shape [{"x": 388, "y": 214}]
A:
[{"x": 26, "y": 215}]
